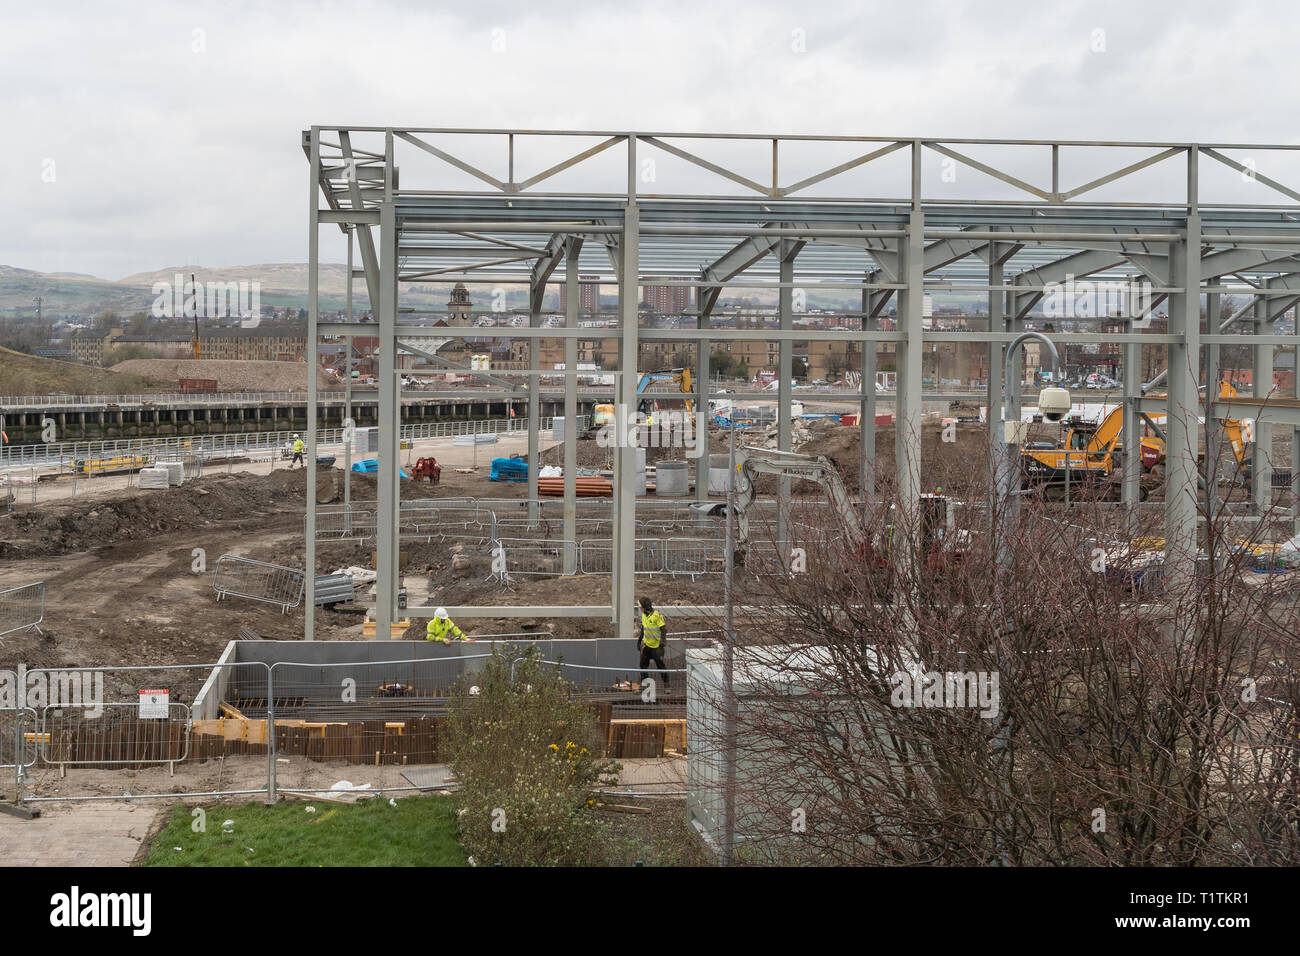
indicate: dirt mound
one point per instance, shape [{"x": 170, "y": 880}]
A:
[
  {"x": 231, "y": 376},
  {"x": 134, "y": 515},
  {"x": 955, "y": 465},
  {"x": 22, "y": 374}
]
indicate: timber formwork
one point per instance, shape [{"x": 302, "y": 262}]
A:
[{"x": 887, "y": 218}]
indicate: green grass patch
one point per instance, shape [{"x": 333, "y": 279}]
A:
[{"x": 419, "y": 831}]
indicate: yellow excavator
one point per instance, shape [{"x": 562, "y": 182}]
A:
[
  {"x": 681, "y": 377},
  {"x": 1090, "y": 453}
]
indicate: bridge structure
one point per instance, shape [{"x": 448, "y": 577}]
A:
[{"x": 883, "y": 220}]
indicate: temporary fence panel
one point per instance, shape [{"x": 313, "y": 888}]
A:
[
  {"x": 15, "y": 748},
  {"x": 378, "y": 725},
  {"x": 138, "y": 721},
  {"x": 116, "y": 735},
  {"x": 22, "y": 607},
  {"x": 19, "y": 485},
  {"x": 694, "y": 556},
  {"x": 535, "y": 558},
  {"x": 258, "y": 581},
  {"x": 554, "y": 527},
  {"x": 596, "y": 556},
  {"x": 344, "y": 524}
]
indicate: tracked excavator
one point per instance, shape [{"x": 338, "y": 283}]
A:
[
  {"x": 938, "y": 524},
  {"x": 1091, "y": 454}
]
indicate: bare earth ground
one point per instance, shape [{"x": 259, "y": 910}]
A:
[{"x": 121, "y": 590}]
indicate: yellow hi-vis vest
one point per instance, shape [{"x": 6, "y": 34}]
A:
[
  {"x": 299, "y": 447},
  {"x": 440, "y": 630},
  {"x": 652, "y": 629}
]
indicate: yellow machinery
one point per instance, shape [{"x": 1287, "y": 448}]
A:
[
  {"x": 110, "y": 466},
  {"x": 1089, "y": 451},
  {"x": 680, "y": 376}
]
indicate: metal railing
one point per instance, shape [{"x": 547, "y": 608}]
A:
[
  {"x": 287, "y": 727},
  {"x": 533, "y": 557},
  {"x": 258, "y": 581},
  {"x": 384, "y": 716},
  {"x": 94, "y": 722},
  {"x": 340, "y": 523},
  {"x": 13, "y": 723},
  {"x": 69, "y": 737},
  {"x": 22, "y": 608},
  {"x": 219, "y": 445}
]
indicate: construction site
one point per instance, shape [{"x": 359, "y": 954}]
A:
[{"x": 253, "y": 612}]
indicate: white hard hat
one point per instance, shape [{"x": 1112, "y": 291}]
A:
[
  {"x": 441, "y": 613},
  {"x": 295, "y": 436}
]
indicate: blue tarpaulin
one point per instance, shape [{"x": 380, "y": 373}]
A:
[
  {"x": 371, "y": 465},
  {"x": 509, "y": 469}
]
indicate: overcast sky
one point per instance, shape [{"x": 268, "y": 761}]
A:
[{"x": 144, "y": 135}]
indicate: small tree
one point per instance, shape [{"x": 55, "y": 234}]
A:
[{"x": 525, "y": 751}]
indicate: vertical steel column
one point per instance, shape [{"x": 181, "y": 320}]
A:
[
  {"x": 1014, "y": 370},
  {"x": 386, "y": 519},
  {"x": 1261, "y": 472},
  {"x": 535, "y": 294},
  {"x": 625, "y": 559},
  {"x": 392, "y": 383},
  {"x": 1213, "y": 426},
  {"x": 313, "y": 303},
  {"x": 907, "y": 428},
  {"x": 1295, "y": 432},
  {"x": 867, "y": 407},
  {"x": 704, "y": 303},
  {"x": 784, "y": 393},
  {"x": 572, "y": 247},
  {"x": 1131, "y": 489},
  {"x": 347, "y": 398},
  {"x": 1183, "y": 438},
  {"x": 993, "y": 392}
]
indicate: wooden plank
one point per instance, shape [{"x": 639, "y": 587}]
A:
[
  {"x": 674, "y": 728},
  {"x": 231, "y": 711}
]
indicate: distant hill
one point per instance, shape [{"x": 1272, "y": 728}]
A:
[
  {"x": 282, "y": 285},
  {"x": 22, "y": 374}
]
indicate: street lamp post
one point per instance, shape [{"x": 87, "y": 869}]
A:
[{"x": 1053, "y": 403}]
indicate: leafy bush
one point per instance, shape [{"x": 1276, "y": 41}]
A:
[{"x": 524, "y": 751}]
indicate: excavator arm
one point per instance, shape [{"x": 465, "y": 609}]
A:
[
  {"x": 788, "y": 464},
  {"x": 680, "y": 376}
]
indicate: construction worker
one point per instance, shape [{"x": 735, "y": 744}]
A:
[
  {"x": 442, "y": 628},
  {"x": 299, "y": 446},
  {"x": 652, "y": 633}
]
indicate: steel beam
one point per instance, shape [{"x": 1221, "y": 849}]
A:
[
  {"x": 1262, "y": 385},
  {"x": 1182, "y": 447},
  {"x": 313, "y": 303},
  {"x": 907, "y": 422},
  {"x": 573, "y": 290},
  {"x": 386, "y": 519},
  {"x": 625, "y": 494}
]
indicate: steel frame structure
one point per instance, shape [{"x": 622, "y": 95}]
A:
[{"x": 890, "y": 218}]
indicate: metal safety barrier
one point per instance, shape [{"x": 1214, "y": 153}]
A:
[
  {"x": 118, "y": 733},
  {"x": 596, "y": 556},
  {"x": 533, "y": 557},
  {"x": 258, "y": 581},
  {"x": 228, "y": 443},
  {"x": 382, "y": 718},
  {"x": 339, "y": 523},
  {"x": 14, "y": 754},
  {"x": 73, "y": 736},
  {"x": 22, "y": 607}
]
